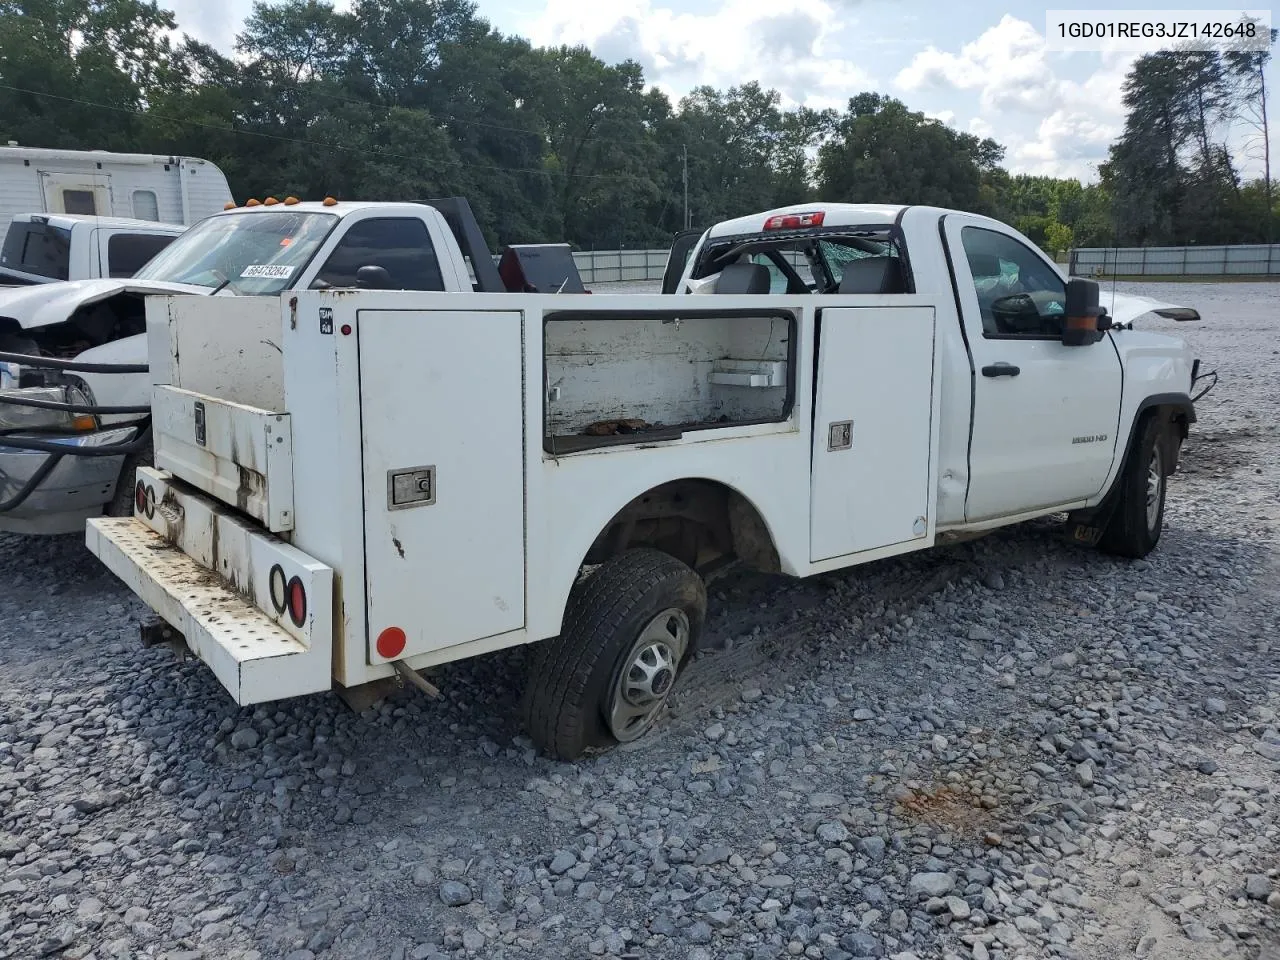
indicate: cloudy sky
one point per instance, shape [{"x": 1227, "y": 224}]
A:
[{"x": 979, "y": 65}]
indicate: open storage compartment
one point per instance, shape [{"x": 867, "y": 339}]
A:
[{"x": 637, "y": 377}]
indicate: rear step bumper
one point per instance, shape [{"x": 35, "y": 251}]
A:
[{"x": 256, "y": 656}]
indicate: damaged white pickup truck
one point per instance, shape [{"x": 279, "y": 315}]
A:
[{"x": 355, "y": 485}]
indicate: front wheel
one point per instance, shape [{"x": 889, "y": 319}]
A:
[
  {"x": 121, "y": 504},
  {"x": 628, "y": 630},
  {"x": 1134, "y": 529}
]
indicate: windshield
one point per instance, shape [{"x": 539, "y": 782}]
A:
[{"x": 250, "y": 253}]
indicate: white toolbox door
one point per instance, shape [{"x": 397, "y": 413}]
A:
[
  {"x": 441, "y": 410},
  {"x": 871, "y": 435}
]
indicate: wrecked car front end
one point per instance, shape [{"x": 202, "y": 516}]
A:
[
  {"x": 61, "y": 454},
  {"x": 73, "y": 402}
]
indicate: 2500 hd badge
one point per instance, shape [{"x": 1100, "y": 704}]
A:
[{"x": 1092, "y": 438}]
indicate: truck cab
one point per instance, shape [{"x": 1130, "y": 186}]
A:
[
  {"x": 1034, "y": 422},
  {"x": 352, "y": 486},
  {"x": 40, "y": 248}
]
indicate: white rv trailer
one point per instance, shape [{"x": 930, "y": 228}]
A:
[{"x": 140, "y": 186}]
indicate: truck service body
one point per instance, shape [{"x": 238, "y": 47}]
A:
[{"x": 354, "y": 484}]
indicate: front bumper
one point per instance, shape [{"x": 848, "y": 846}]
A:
[{"x": 77, "y": 487}]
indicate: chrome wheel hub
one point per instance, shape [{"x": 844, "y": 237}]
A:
[
  {"x": 648, "y": 674},
  {"x": 1155, "y": 487}
]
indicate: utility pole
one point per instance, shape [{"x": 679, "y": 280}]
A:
[{"x": 686, "y": 185}]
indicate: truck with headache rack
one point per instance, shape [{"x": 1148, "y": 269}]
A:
[{"x": 355, "y": 485}]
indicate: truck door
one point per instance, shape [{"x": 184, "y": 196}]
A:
[
  {"x": 77, "y": 193},
  {"x": 678, "y": 258},
  {"x": 1044, "y": 414}
]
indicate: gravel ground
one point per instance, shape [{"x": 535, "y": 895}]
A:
[{"x": 1011, "y": 748}]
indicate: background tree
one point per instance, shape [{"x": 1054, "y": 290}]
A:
[
  {"x": 408, "y": 99},
  {"x": 1247, "y": 79},
  {"x": 882, "y": 152}
]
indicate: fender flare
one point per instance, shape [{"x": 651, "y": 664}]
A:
[{"x": 1183, "y": 409}]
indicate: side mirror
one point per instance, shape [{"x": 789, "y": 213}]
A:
[
  {"x": 1081, "y": 326},
  {"x": 373, "y": 278}
]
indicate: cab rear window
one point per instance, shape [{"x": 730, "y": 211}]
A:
[
  {"x": 807, "y": 262},
  {"x": 37, "y": 248}
]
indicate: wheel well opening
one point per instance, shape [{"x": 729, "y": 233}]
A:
[
  {"x": 1177, "y": 426},
  {"x": 703, "y": 523}
]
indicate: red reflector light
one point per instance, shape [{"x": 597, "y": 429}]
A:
[
  {"x": 297, "y": 602},
  {"x": 795, "y": 221},
  {"x": 140, "y": 497},
  {"x": 390, "y": 643}
]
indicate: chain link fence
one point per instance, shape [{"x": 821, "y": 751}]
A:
[{"x": 1245, "y": 260}]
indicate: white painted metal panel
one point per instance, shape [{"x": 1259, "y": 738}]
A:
[
  {"x": 227, "y": 350},
  {"x": 876, "y": 378},
  {"x": 239, "y": 454},
  {"x": 321, "y": 377},
  {"x": 443, "y": 389}
]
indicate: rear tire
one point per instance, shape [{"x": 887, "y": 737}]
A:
[
  {"x": 1134, "y": 528},
  {"x": 628, "y": 629}
]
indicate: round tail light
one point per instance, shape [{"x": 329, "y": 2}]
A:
[
  {"x": 279, "y": 589},
  {"x": 297, "y": 602},
  {"x": 140, "y": 497}
]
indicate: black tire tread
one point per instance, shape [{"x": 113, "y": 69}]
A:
[
  {"x": 121, "y": 503},
  {"x": 1126, "y": 535},
  {"x": 557, "y": 702}
]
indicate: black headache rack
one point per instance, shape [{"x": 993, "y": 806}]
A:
[
  {"x": 57, "y": 450},
  {"x": 526, "y": 268}
]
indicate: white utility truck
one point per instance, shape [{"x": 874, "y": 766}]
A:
[
  {"x": 355, "y": 485},
  {"x": 40, "y": 248}
]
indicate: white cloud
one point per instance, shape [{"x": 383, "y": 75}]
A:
[
  {"x": 947, "y": 117},
  {"x": 1006, "y": 63},
  {"x": 980, "y": 128},
  {"x": 779, "y": 43},
  {"x": 1016, "y": 80},
  {"x": 214, "y": 23},
  {"x": 1087, "y": 118}
]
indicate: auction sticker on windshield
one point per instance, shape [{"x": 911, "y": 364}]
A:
[{"x": 268, "y": 271}]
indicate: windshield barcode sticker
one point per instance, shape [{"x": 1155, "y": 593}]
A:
[{"x": 267, "y": 271}]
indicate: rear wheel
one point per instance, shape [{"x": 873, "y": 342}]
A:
[
  {"x": 1134, "y": 529},
  {"x": 628, "y": 629}
]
